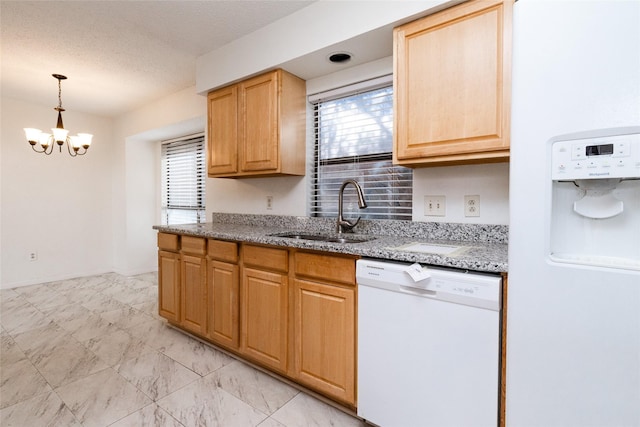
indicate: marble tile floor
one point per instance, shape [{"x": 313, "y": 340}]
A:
[{"x": 92, "y": 351}]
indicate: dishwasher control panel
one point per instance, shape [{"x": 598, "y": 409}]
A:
[{"x": 477, "y": 289}]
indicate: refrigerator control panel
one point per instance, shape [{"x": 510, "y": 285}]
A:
[{"x": 594, "y": 158}]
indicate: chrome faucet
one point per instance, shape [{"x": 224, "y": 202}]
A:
[{"x": 344, "y": 226}]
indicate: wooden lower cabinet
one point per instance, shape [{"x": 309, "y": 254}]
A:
[
  {"x": 193, "y": 308},
  {"x": 169, "y": 285},
  {"x": 324, "y": 325},
  {"x": 223, "y": 293},
  {"x": 299, "y": 322},
  {"x": 264, "y": 318},
  {"x": 223, "y": 286}
]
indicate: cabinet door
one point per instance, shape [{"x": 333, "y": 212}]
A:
[
  {"x": 223, "y": 131},
  {"x": 452, "y": 84},
  {"x": 193, "y": 313},
  {"x": 264, "y": 322},
  {"x": 325, "y": 339},
  {"x": 169, "y": 285},
  {"x": 259, "y": 132},
  {"x": 223, "y": 285}
]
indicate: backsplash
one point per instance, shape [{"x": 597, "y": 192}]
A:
[{"x": 432, "y": 230}]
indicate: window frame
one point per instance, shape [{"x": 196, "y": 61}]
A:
[
  {"x": 388, "y": 202},
  {"x": 188, "y": 208}
]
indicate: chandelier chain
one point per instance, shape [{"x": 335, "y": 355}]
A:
[{"x": 59, "y": 93}]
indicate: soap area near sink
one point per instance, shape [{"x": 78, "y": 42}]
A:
[{"x": 429, "y": 248}]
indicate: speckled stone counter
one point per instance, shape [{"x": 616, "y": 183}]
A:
[{"x": 484, "y": 246}]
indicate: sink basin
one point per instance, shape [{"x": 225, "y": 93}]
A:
[{"x": 323, "y": 237}]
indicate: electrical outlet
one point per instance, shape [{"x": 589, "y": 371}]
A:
[
  {"x": 33, "y": 256},
  {"x": 269, "y": 203},
  {"x": 472, "y": 205},
  {"x": 434, "y": 206}
]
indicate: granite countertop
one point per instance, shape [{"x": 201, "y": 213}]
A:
[{"x": 484, "y": 248}]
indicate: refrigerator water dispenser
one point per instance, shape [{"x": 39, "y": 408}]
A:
[{"x": 595, "y": 201}]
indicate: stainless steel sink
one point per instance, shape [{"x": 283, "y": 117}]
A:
[{"x": 323, "y": 237}]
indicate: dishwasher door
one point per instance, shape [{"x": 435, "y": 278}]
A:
[{"x": 424, "y": 360}]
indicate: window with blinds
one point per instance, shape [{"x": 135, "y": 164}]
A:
[
  {"x": 183, "y": 180},
  {"x": 354, "y": 140}
]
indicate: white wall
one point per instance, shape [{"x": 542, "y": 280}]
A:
[
  {"x": 57, "y": 206},
  {"x": 136, "y": 185},
  {"x": 91, "y": 214},
  {"x": 317, "y": 26},
  {"x": 489, "y": 181},
  {"x": 249, "y": 195}
]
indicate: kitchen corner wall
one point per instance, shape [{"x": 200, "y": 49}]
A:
[
  {"x": 136, "y": 183},
  {"x": 56, "y": 206},
  {"x": 91, "y": 214}
]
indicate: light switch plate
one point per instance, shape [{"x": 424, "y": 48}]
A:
[{"x": 435, "y": 206}]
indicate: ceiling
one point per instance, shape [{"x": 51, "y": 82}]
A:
[{"x": 118, "y": 55}]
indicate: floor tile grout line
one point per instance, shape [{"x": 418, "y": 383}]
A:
[
  {"x": 163, "y": 350},
  {"x": 155, "y": 400},
  {"x": 67, "y": 406}
]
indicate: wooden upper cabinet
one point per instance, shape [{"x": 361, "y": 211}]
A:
[
  {"x": 257, "y": 127},
  {"x": 259, "y": 124},
  {"x": 452, "y": 84},
  {"x": 223, "y": 131}
]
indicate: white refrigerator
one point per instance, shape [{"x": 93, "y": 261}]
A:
[{"x": 573, "y": 305}]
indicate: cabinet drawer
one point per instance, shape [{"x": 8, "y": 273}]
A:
[
  {"x": 194, "y": 245},
  {"x": 168, "y": 242},
  {"x": 223, "y": 251},
  {"x": 269, "y": 258},
  {"x": 326, "y": 267}
]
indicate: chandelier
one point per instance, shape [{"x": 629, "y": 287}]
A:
[{"x": 59, "y": 134}]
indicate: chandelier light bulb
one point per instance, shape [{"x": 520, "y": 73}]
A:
[
  {"x": 44, "y": 140},
  {"x": 33, "y": 135},
  {"x": 75, "y": 142},
  {"x": 85, "y": 139},
  {"x": 60, "y": 135}
]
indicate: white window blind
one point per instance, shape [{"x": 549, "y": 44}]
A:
[
  {"x": 354, "y": 140},
  {"x": 183, "y": 180}
]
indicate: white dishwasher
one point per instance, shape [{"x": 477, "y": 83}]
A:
[{"x": 428, "y": 345}]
